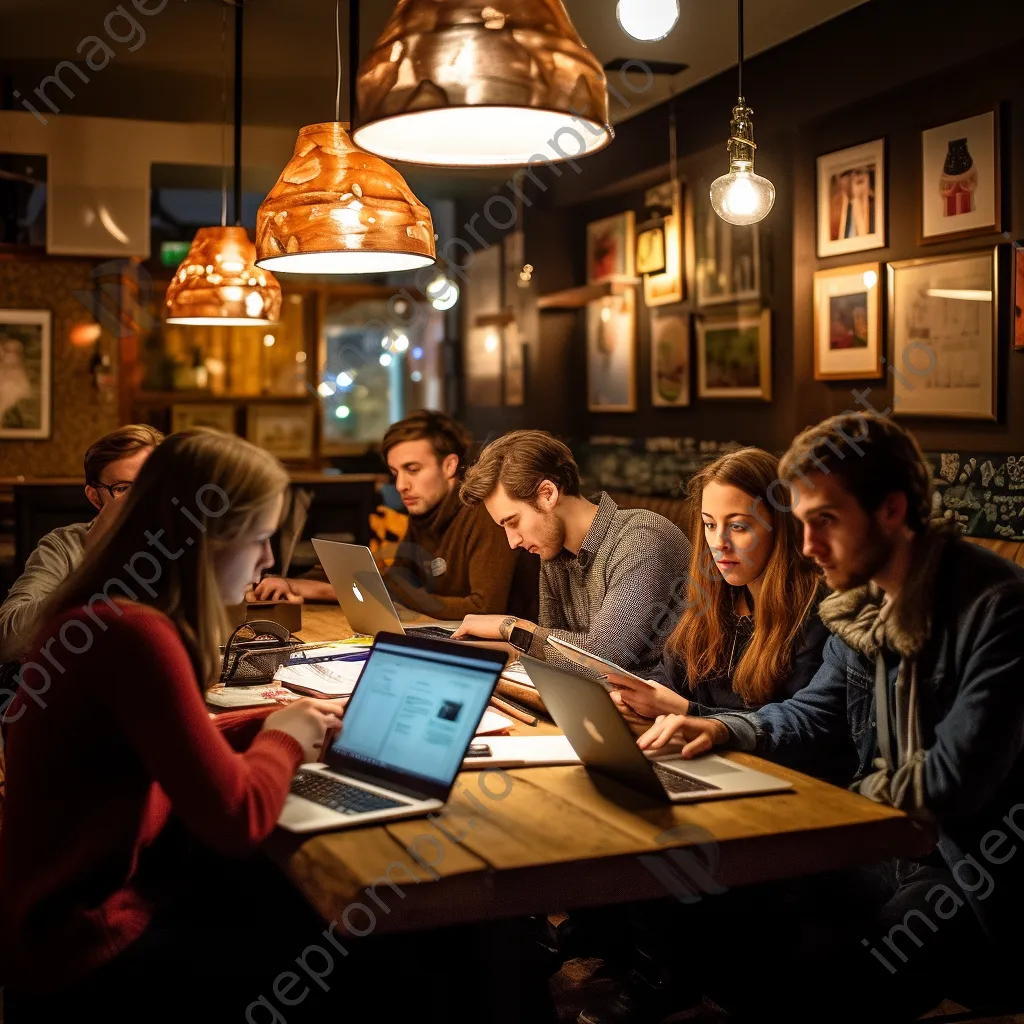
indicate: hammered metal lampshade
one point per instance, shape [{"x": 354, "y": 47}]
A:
[
  {"x": 338, "y": 210},
  {"x": 219, "y": 284},
  {"x": 463, "y": 83}
]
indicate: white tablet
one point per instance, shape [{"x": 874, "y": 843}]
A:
[{"x": 591, "y": 661}]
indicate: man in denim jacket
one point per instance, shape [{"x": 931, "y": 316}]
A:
[{"x": 924, "y": 676}]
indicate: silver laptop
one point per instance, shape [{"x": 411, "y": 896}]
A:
[
  {"x": 584, "y": 711},
  {"x": 407, "y": 727},
  {"x": 361, "y": 591}
]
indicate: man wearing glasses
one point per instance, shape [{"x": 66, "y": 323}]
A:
[{"x": 111, "y": 465}]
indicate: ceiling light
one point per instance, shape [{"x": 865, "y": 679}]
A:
[
  {"x": 443, "y": 292},
  {"x": 326, "y": 388},
  {"x": 648, "y": 20},
  {"x": 204, "y": 292},
  {"x": 452, "y": 84},
  {"x": 342, "y": 412},
  {"x": 741, "y": 196},
  {"x": 218, "y": 283},
  {"x": 401, "y": 343},
  {"x": 385, "y": 359},
  {"x": 337, "y": 209}
]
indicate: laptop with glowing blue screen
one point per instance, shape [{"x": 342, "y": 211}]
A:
[{"x": 406, "y": 729}]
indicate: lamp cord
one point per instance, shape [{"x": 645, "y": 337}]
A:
[
  {"x": 223, "y": 118},
  {"x": 739, "y": 19},
  {"x": 337, "y": 43}
]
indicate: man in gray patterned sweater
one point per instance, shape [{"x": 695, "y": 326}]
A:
[{"x": 611, "y": 579}]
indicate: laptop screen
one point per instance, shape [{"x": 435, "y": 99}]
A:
[{"x": 415, "y": 711}]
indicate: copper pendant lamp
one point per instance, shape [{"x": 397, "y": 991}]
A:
[
  {"x": 474, "y": 84},
  {"x": 218, "y": 282},
  {"x": 337, "y": 209}
]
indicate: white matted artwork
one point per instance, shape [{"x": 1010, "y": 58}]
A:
[
  {"x": 728, "y": 259},
  {"x": 670, "y": 357},
  {"x": 851, "y": 199},
  {"x": 611, "y": 353},
  {"x": 667, "y": 287},
  {"x": 960, "y": 179},
  {"x": 848, "y": 322},
  {"x": 734, "y": 356},
  {"x": 611, "y": 248},
  {"x": 943, "y": 318},
  {"x": 26, "y": 374}
]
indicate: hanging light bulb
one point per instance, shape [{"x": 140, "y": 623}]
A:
[
  {"x": 741, "y": 196},
  {"x": 648, "y": 20},
  {"x": 472, "y": 85},
  {"x": 337, "y": 209},
  {"x": 443, "y": 292},
  {"x": 218, "y": 283}
]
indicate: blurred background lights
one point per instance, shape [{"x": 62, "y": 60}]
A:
[{"x": 385, "y": 359}]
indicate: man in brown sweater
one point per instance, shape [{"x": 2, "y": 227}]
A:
[{"x": 453, "y": 560}]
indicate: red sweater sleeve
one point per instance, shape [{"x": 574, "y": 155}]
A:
[{"x": 230, "y": 801}]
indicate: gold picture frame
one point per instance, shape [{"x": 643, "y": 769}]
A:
[
  {"x": 734, "y": 356},
  {"x": 848, "y": 338},
  {"x": 284, "y": 430}
]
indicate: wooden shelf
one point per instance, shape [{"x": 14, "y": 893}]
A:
[
  {"x": 577, "y": 298},
  {"x": 185, "y": 397}
]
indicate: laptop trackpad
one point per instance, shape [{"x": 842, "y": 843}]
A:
[{"x": 704, "y": 767}]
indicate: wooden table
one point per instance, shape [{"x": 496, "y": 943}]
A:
[{"x": 539, "y": 840}]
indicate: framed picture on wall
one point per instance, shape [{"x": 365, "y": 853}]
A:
[
  {"x": 26, "y": 374},
  {"x": 611, "y": 245},
  {"x": 728, "y": 259},
  {"x": 669, "y": 285},
  {"x": 848, "y": 323},
  {"x": 1018, "y": 296},
  {"x": 283, "y": 430},
  {"x": 670, "y": 357},
  {"x": 960, "y": 179},
  {"x": 214, "y": 415},
  {"x": 734, "y": 356},
  {"x": 943, "y": 323},
  {"x": 851, "y": 199},
  {"x": 611, "y": 353}
]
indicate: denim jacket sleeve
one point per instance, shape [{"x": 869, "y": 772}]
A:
[
  {"x": 982, "y": 736},
  {"x": 804, "y": 731}
]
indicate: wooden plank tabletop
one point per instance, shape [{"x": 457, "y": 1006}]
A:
[{"x": 543, "y": 839}]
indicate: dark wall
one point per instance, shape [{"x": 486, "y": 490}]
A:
[{"x": 883, "y": 69}]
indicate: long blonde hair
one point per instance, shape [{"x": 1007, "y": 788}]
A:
[
  {"x": 199, "y": 491},
  {"x": 790, "y": 583}
]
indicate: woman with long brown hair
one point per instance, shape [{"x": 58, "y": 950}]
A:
[
  {"x": 117, "y": 779},
  {"x": 749, "y": 633}
]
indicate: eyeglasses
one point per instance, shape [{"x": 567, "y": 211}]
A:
[{"x": 118, "y": 490}]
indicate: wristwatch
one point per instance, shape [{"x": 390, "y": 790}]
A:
[{"x": 514, "y": 634}]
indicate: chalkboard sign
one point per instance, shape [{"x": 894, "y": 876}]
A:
[{"x": 984, "y": 493}]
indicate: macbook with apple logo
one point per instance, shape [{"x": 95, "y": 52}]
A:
[
  {"x": 361, "y": 592},
  {"x": 594, "y": 726}
]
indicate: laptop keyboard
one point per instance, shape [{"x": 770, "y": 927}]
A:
[
  {"x": 676, "y": 782},
  {"x": 339, "y": 796},
  {"x": 434, "y": 632}
]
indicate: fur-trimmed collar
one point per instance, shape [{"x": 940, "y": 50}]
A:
[{"x": 856, "y": 615}]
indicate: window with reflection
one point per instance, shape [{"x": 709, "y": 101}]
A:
[{"x": 376, "y": 366}]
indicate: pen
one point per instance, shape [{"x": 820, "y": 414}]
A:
[{"x": 519, "y": 713}]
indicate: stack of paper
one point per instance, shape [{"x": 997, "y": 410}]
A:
[
  {"x": 330, "y": 678},
  {"x": 236, "y": 697}
]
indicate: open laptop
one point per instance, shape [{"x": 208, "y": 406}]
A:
[
  {"x": 361, "y": 591},
  {"x": 407, "y": 727},
  {"x": 594, "y": 726}
]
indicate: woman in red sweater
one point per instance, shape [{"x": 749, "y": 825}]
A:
[{"x": 116, "y": 774}]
